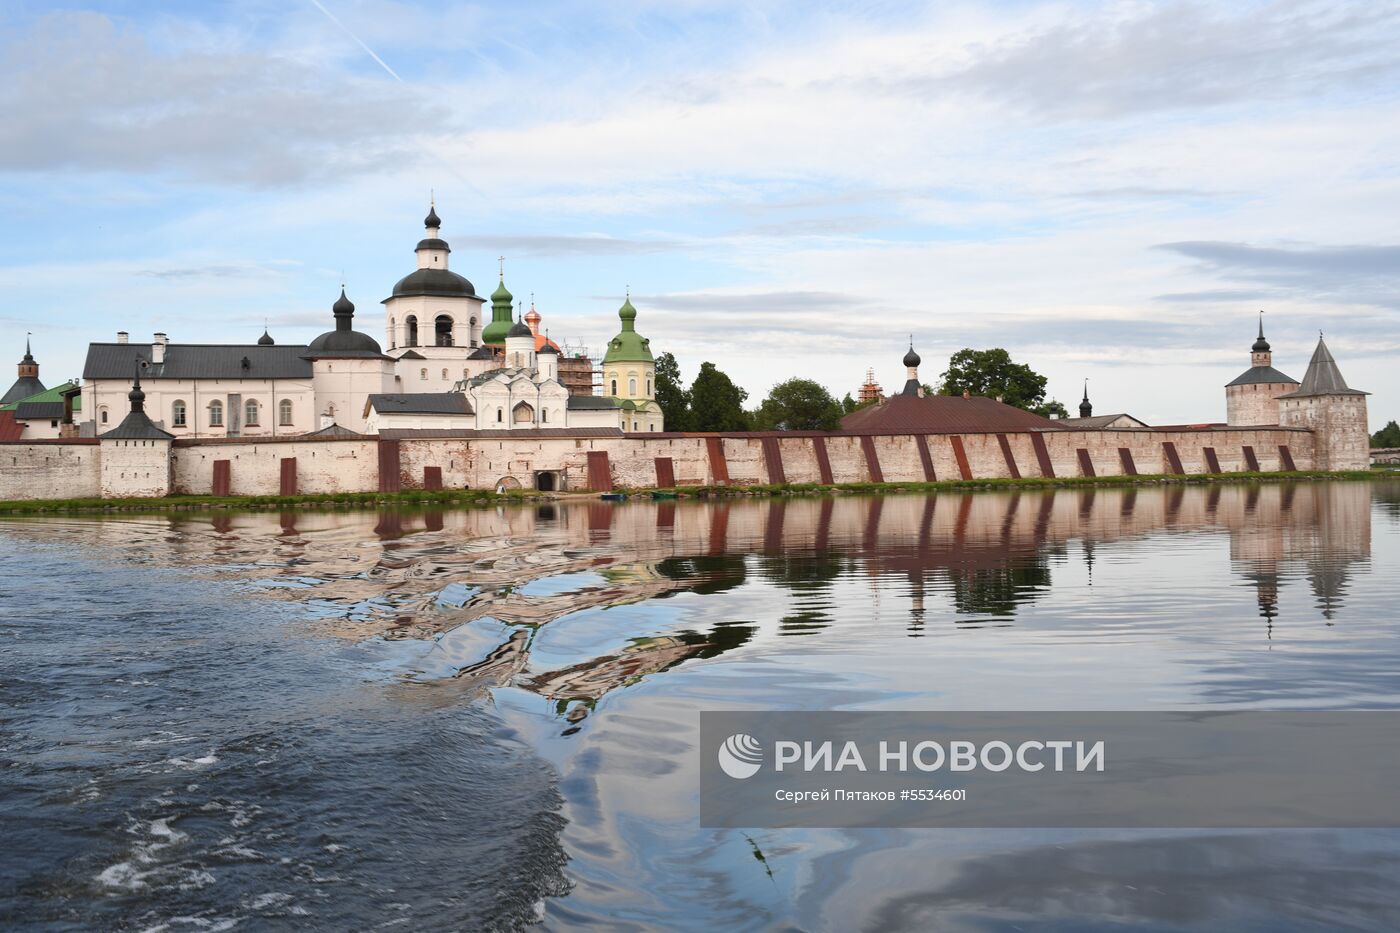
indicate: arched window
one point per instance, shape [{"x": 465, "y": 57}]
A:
[
  {"x": 423, "y": 373},
  {"x": 177, "y": 414},
  {"x": 216, "y": 414},
  {"x": 411, "y": 338},
  {"x": 250, "y": 413},
  {"x": 393, "y": 334},
  {"x": 632, "y": 387},
  {"x": 284, "y": 412},
  {"x": 102, "y": 414},
  {"x": 444, "y": 374},
  {"x": 648, "y": 387},
  {"x": 614, "y": 388},
  {"x": 544, "y": 415},
  {"x": 500, "y": 415},
  {"x": 442, "y": 331}
]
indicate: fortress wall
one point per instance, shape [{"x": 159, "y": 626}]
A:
[
  {"x": 54, "y": 470},
  {"x": 255, "y": 468},
  {"x": 49, "y": 471}
]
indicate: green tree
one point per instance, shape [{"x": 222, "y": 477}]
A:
[
  {"x": 1388, "y": 436},
  {"x": 671, "y": 394},
  {"x": 1051, "y": 407},
  {"x": 992, "y": 373},
  {"x": 716, "y": 403},
  {"x": 798, "y": 405},
  {"x": 848, "y": 404}
]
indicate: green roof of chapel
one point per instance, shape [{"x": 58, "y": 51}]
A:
[{"x": 628, "y": 346}]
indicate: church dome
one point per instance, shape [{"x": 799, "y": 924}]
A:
[
  {"x": 432, "y": 219},
  {"x": 520, "y": 329},
  {"x": 266, "y": 339},
  {"x": 911, "y": 358},
  {"x": 438, "y": 283},
  {"x": 344, "y": 339}
]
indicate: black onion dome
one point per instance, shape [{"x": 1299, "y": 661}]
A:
[
  {"x": 1261, "y": 345},
  {"x": 266, "y": 339},
  {"x": 432, "y": 219},
  {"x": 548, "y": 348},
  {"x": 520, "y": 329},
  {"x": 344, "y": 339},
  {"x": 911, "y": 358},
  {"x": 438, "y": 283}
]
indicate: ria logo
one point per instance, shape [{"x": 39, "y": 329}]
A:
[{"x": 740, "y": 756}]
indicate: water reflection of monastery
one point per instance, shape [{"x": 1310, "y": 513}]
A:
[{"x": 933, "y": 562}]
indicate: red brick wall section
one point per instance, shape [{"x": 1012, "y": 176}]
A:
[
  {"x": 1042, "y": 455},
  {"x": 872, "y": 459},
  {"x": 1250, "y": 460},
  {"x": 960, "y": 453},
  {"x": 665, "y": 473},
  {"x": 1173, "y": 459},
  {"x": 1125, "y": 456},
  {"x": 1212, "y": 461},
  {"x": 432, "y": 477},
  {"x": 773, "y": 459},
  {"x": 1286, "y": 456},
  {"x": 221, "y": 477},
  {"x": 1009, "y": 456},
  {"x": 599, "y": 471},
  {"x": 823, "y": 461},
  {"x": 288, "y": 480},
  {"x": 719, "y": 467},
  {"x": 1086, "y": 463}
]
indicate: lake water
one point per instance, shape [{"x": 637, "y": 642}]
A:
[{"x": 478, "y": 719}]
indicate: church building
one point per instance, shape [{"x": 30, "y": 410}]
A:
[{"x": 443, "y": 365}]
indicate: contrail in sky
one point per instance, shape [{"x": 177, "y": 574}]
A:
[
  {"x": 395, "y": 75},
  {"x": 368, "y": 51}
]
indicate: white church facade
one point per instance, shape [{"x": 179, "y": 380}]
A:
[{"x": 444, "y": 365}]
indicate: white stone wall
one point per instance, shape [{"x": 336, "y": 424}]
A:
[
  {"x": 50, "y": 471},
  {"x": 466, "y": 322},
  {"x": 133, "y": 469},
  {"x": 343, "y": 387},
  {"x": 323, "y": 466}
]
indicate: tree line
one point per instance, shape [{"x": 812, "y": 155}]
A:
[{"x": 713, "y": 402}]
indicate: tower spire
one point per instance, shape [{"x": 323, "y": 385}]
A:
[{"x": 1086, "y": 408}]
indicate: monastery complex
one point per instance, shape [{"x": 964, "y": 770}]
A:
[{"x": 457, "y": 395}]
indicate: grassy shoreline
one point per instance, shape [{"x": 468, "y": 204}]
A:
[{"x": 418, "y": 498}]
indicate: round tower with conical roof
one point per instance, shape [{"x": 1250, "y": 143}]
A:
[
  {"x": 28, "y": 382},
  {"x": 1252, "y": 397},
  {"x": 629, "y": 374}
]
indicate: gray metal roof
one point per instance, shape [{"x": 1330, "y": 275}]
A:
[
  {"x": 333, "y": 430},
  {"x": 136, "y": 426},
  {"x": 25, "y": 387},
  {"x": 1261, "y": 375},
  {"x": 421, "y": 403},
  {"x": 1097, "y": 421},
  {"x": 198, "y": 361},
  {"x": 1323, "y": 377},
  {"x": 436, "y": 282},
  {"x": 38, "y": 411}
]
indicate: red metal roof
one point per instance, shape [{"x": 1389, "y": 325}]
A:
[
  {"x": 10, "y": 429},
  {"x": 943, "y": 414}
]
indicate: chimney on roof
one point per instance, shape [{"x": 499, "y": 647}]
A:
[
  {"x": 121, "y": 336},
  {"x": 967, "y": 394},
  {"x": 158, "y": 343}
]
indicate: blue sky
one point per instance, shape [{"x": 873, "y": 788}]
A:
[{"x": 1111, "y": 191}]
